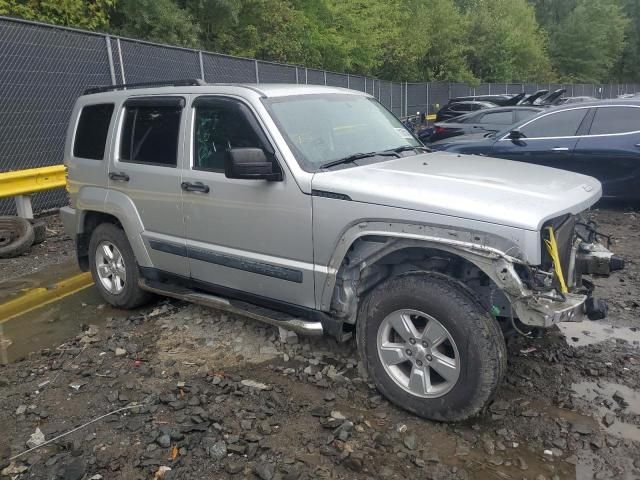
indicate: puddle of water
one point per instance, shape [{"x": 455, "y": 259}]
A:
[
  {"x": 596, "y": 394},
  {"x": 54, "y": 323},
  {"x": 579, "y": 334},
  {"x": 9, "y": 289}
]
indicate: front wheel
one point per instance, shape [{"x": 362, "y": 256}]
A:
[{"x": 430, "y": 347}]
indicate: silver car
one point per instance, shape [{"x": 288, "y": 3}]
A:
[{"x": 314, "y": 209}]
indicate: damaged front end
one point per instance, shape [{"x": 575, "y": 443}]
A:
[{"x": 572, "y": 248}]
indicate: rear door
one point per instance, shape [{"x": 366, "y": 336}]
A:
[
  {"x": 611, "y": 150},
  {"x": 548, "y": 140},
  {"x": 145, "y": 179}
]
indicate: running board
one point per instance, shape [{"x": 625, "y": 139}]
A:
[{"x": 265, "y": 315}]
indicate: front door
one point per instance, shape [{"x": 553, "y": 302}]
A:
[
  {"x": 547, "y": 140},
  {"x": 243, "y": 236},
  {"x": 144, "y": 177}
]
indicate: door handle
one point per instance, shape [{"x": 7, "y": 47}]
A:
[
  {"x": 638, "y": 145},
  {"x": 195, "y": 187},
  {"x": 560, "y": 149},
  {"x": 119, "y": 176}
]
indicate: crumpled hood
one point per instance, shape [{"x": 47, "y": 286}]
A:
[{"x": 487, "y": 189}]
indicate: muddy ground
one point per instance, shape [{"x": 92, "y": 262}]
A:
[{"x": 209, "y": 396}]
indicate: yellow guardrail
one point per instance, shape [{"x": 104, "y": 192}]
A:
[{"x": 25, "y": 182}]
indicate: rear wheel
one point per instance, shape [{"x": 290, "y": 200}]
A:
[
  {"x": 114, "y": 267},
  {"x": 430, "y": 347}
]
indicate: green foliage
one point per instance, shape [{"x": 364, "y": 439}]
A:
[
  {"x": 414, "y": 40},
  {"x": 505, "y": 41},
  {"x": 589, "y": 41},
  {"x": 155, "y": 20},
  {"x": 628, "y": 67},
  {"x": 76, "y": 13}
]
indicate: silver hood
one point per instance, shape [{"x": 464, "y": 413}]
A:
[{"x": 487, "y": 189}]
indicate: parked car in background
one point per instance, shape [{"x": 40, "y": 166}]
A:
[
  {"x": 568, "y": 100},
  {"x": 495, "y": 99},
  {"x": 601, "y": 139},
  {"x": 452, "y": 110},
  {"x": 483, "y": 121}
]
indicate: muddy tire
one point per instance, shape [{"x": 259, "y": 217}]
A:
[
  {"x": 16, "y": 236},
  {"x": 39, "y": 231},
  {"x": 430, "y": 347},
  {"x": 114, "y": 268}
]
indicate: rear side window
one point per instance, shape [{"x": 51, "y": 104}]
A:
[
  {"x": 464, "y": 107},
  {"x": 615, "y": 120},
  {"x": 500, "y": 118},
  {"x": 524, "y": 114},
  {"x": 92, "y": 131},
  {"x": 559, "y": 124},
  {"x": 150, "y": 134}
]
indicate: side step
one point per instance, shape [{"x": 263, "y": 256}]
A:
[{"x": 265, "y": 315}]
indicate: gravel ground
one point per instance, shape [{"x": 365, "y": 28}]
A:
[
  {"x": 201, "y": 394},
  {"x": 56, "y": 249}
]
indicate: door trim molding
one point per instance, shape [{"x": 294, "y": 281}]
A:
[{"x": 230, "y": 261}]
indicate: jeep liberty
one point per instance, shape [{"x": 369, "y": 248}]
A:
[{"x": 313, "y": 208}]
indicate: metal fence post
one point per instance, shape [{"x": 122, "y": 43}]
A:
[
  {"x": 391, "y": 96},
  {"x": 325, "y": 76},
  {"x": 306, "y": 75},
  {"x": 427, "y": 112},
  {"x": 124, "y": 80},
  {"x": 201, "y": 65},
  {"x": 348, "y": 81},
  {"x": 112, "y": 70},
  {"x": 255, "y": 62},
  {"x": 297, "y": 80}
]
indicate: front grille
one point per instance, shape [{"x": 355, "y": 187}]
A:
[{"x": 564, "y": 230}]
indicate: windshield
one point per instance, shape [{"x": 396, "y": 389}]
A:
[{"x": 324, "y": 128}]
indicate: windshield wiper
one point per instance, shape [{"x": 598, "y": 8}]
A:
[
  {"x": 406, "y": 148},
  {"x": 358, "y": 156},
  {"x": 392, "y": 152}
]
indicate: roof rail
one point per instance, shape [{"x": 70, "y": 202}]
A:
[{"x": 160, "y": 83}]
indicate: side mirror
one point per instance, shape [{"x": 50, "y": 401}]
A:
[
  {"x": 250, "y": 164},
  {"x": 515, "y": 135}
]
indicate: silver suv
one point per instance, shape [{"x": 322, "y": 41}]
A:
[{"x": 314, "y": 208}]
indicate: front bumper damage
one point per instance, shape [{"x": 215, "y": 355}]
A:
[{"x": 546, "y": 308}]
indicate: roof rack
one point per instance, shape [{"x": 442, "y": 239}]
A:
[{"x": 193, "y": 82}]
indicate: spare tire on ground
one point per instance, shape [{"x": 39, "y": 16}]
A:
[
  {"x": 16, "y": 236},
  {"x": 39, "y": 231}
]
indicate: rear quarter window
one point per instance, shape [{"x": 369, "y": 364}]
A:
[
  {"x": 92, "y": 131},
  {"x": 609, "y": 120}
]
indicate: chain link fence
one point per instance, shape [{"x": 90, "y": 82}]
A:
[{"x": 45, "y": 68}]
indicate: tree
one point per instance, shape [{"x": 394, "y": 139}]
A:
[
  {"x": 505, "y": 41},
  {"x": 160, "y": 21},
  {"x": 589, "y": 41},
  {"x": 75, "y": 13},
  {"x": 628, "y": 67}
]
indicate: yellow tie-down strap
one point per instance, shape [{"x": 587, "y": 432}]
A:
[{"x": 552, "y": 248}]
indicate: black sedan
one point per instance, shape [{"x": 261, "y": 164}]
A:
[
  {"x": 452, "y": 110},
  {"x": 483, "y": 121},
  {"x": 601, "y": 139}
]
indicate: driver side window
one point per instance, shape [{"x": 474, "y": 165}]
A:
[
  {"x": 559, "y": 124},
  {"x": 219, "y": 127}
]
